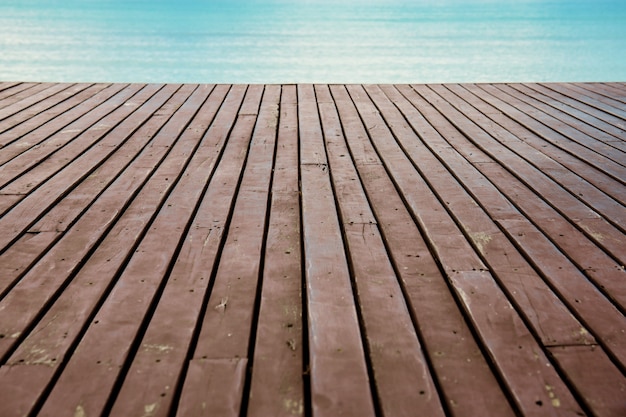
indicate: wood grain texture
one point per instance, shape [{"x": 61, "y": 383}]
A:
[{"x": 312, "y": 250}]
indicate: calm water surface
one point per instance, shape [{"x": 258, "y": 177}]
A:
[{"x": 279, "y": 41}]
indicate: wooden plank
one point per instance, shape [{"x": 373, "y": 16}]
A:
[
  {"x": 605, "y": 272},
  {"x": 605, "y": 117},
  {"x": 593, "y": 139},
  {"x": 23, "y": 123},
  {"x": 565, "y": 203},
  {"x": 528, "y": 139},
  {"x": 55, "y": 337},
  {"x": 575, "y": 290},
  {"x": 141, "y": 284},
  {"x": 125, "y": 147},
  {"x": 608, "y": 133},
  {"x": 593, "y": 104},
  {"x": 608, "y": 90},
  {"x": 67, "y": 255},
  {"x": 597, "y": 229},
  {"x": 400, "y": 369},
  {"x": 549, "y": 317},
  {"x": 588, "y": 256},
  {"x": 488, "y": 309},
  {"x": 277, "y": 386},
  {"x": 30, "y": 209},
  {"x": 602, "y": 318},
  {"x": 468, "y": 119},
  {"x": 226, "y": 325},
  {"x": 339, "y": 376},
  {"x": 62, "y": 148},
  {"x": 583, "y": 298},
  {"x": 556, "y": 133},
  {"x": 471, "y": 250},
  {"x": 599, "y": 161},
  {"x": 9, "y": 93},
  {"x": 604, "y": 103},
  {"x": 32, "y": 97},
  {"x": 37, "y": 129},
  {"x": 21, "y": 256},
  {"x": 73, "y": 311},
  {"x": 610, "y": 145},
  {"x": 224, "y": 378},
  {"x": 184, "y": 296},
  {"x": 20, "y": 123},
  {"x": 54, "y": 148},
  {"x": 602, "y": 387},
  {"x": 457, "y": 360},
  {"x": 7, "y": 201},
  {"x": 118, "y": 245}
]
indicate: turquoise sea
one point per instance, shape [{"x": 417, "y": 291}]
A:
[{"x": 280, "y": 41}]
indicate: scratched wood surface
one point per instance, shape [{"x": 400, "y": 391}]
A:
[{"x": 312, "y": 250}]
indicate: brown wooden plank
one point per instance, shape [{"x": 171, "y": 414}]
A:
[
  {"x": 64, "y": 257},
  {"x": 339, "y": 377},
  {"x": 569, "y": 180},
  {"x": 597, "y": 229},
  {"x": 554, "y": 132},
  {"x": 605, "y": 103},
  {"x": 602, "y": 318},
  {"x": 608, "y": 90},
  {"x": 64, "y": 213},
  {"x": 605, "y": 272},
  {"x": 24, "y": 214},
  {"x": 491, "y": 314},
  {"x": 597, "y": 313},
  {"x": 608, "y": 133},
  {"x": 67, "y": 316},
  {"x": 507, "y": 105},
  {"x": 62, "y": 148},
  {"x": 229, "y": 318},
  {"x": 54, "y": 147},
  {"x": 223, "y": 378},
  {"x": 401, "y": 372},
  {"x": 9, "y": 93},
  {"x": 7, "y": 201},
  {"x": 276, "y": 386},
  {"x": 594, "y": 104},
  {"x": 475, "y": 255},
  {"x": 32, "y": 97},
  {"x": 591, "y": 138},
  {"x": 610, "y": 145},
  {"x": 605, "y": 117},
  {"x": 550, "y": 318},
  {"x": 605, "y": 89},
  {"x": 21, "y": 256},
  {"x": 602, "y": 387},
  {"x": 22, "y": 122},
  {"x": 184, "y": 296},
  {"x": 457, "y": 360},
  {"x": 141, "y": 281},
  {"x": 587, "y": 255},
  {"x": 528, "y": 139},
  {"x": 15, "y": 133},
  {"x": 37, "y": 129},
  {"x": 126, "y": 147},
  {"x": 567, "y": 204},
  {"x": 575, "y": 290}
]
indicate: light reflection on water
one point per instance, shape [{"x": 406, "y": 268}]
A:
[{"x": 274, "y": 41}]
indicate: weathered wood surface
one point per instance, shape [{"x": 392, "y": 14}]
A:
[{"x": 327, "y": 250}]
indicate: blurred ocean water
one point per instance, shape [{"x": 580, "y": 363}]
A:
[{"x": 326, "y": 41}]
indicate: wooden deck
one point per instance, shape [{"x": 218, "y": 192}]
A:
[{"x": 388, "y": 250}]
